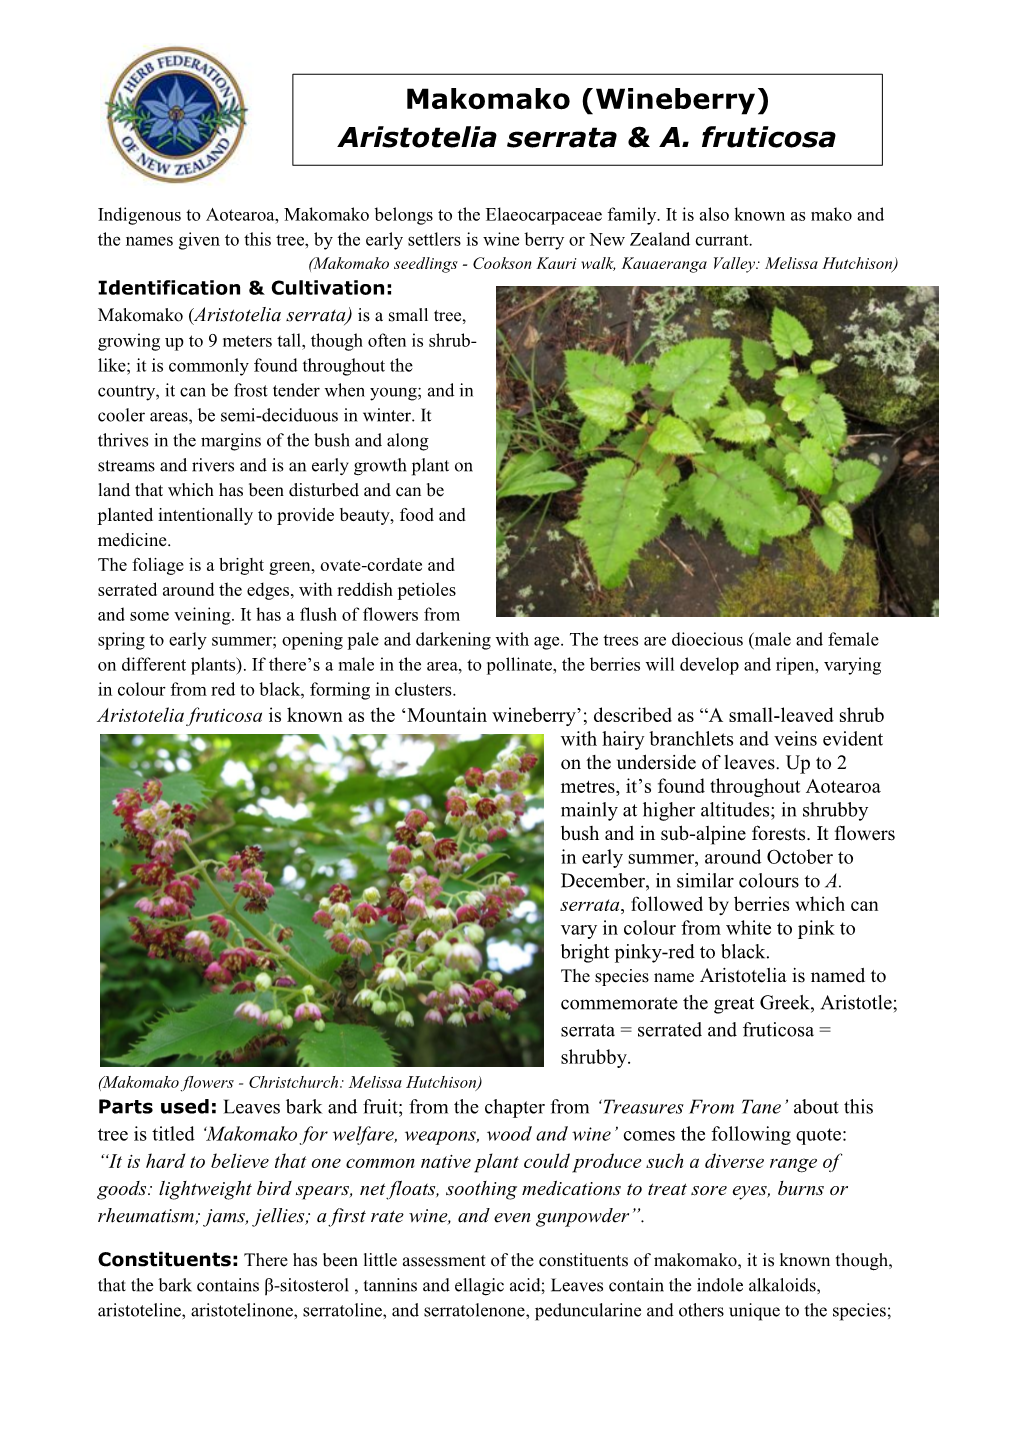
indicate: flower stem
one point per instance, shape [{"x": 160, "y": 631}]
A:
[{"x": 230, "y": 907}]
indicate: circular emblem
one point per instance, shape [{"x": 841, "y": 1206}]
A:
[{"x": 176, "y": 114}]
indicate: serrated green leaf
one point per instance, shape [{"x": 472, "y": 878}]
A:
[
  {"x": 822, "y": 367},
  {"x": 184, "y": 788},
  {"x": 639, "y": 375},
  {"x": 788, "y": 335},
  {"x": 695, "y": 373},
  {"x": 205, "y": 1029},
  {"x": 608, "y": 405},
  {"x": 786, "y": 435},
  {"x": 791, "y": 520},
  {"x": 680, "y": 502},
  {"x": 855, "y": 480},
  {"x": 615, "y": 579},
  {"x": 588, "y": 369},
  {"x": 620, "y": 513},
  {"x": 810, "y": 467},
  {"x": 737, "y": 492},
  {"x": 210, "y": 773},
  {"x": 637, "y": 445},
  {"x": 344, "y": 1046},
  {"x": 826, "y": 421},
  {"x": 591, "y": 436},
  {"x": 796, "y": 407},
  {"x": 745, "y": 539},
  {"x": 838, "y": 519},
  {"x": 673, "y": 437},
  {"x": 771, "y": 460},
  {"x": 744, "y": 427},
  {"x": 829, "y": 547},
  {"x": 758, "y": 357},
  {"x": 798, "y": 392},
  {"x": 543, "y": 484}
]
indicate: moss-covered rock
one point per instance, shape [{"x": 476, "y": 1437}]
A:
[
  {"x": 908, "y": 527},
  {"x": 542, "y": 571},
  {"x": 886, "y": 338},
  {"x": 797, "y": 584},
  {"x": 666, "y": 315}
]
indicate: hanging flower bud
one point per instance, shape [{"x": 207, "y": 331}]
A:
[{"x": 464, "y": 954}]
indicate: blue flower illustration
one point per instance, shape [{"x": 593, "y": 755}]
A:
[{"x": 173, "y": 113}]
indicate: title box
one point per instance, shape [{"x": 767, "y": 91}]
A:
[{"x": 731, "y": 119}]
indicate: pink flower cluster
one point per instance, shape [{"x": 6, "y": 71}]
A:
[
  {"x": 239, "y": 963},
  {"x": 483, "y": 1000},
  {"x": 245, "y": 870},
  {"x": 432, "y": 954},
  {"x": 437, "y": 917},
  {"x": 159, "y": 828}
]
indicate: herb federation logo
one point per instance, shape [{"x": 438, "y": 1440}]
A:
[{"x": 176, "y": 114}]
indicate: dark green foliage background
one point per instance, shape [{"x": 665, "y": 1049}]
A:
[{"x": 343, "y": 838}]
